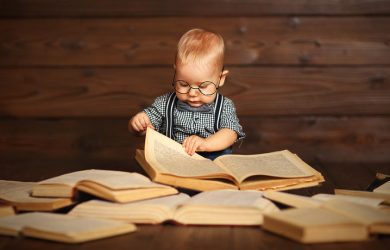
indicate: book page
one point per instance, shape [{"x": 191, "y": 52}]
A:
[
  {"x": 276, "y": 164},
  {"x": 372, "y": 202},
  {"x": 59, "y": 224},
  {"x": 385, "y": 197},
  {"x": 311, "y": 217},
  {"x": 383, "y": 189},
  {"x": 70, "y": 179},
  {"x": 20, "y": 192},
  {"x": 120, "y": 180},
  {"x": 106, "y": 209},
  {"x": 292, "y": 200},
  {"x": 230, "y": 198},
  {"x": 169, "y": 157},
  {"x": 6, "y": 210},
  {"x": 109, "y": 178},
  {"x": 17, "y": 222},
  {"x": 361, "y": 213},
  {"x": 171, "y": 201}
]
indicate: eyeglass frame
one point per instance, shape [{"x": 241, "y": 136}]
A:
[{"x": 216, "y": 86}]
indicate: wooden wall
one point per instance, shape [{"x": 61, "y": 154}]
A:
[{"x": 309, "y": 76}]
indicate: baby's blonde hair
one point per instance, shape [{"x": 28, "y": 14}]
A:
[{"x": 201, "y": 47}]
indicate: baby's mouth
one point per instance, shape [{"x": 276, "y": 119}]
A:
[{"x": 194, "y": 103}]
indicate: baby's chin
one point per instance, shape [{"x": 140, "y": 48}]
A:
[{"x": 195, "y": 104}]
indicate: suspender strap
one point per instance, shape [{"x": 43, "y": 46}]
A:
[
  {"x": 218, "y": 111},
  {"x": 171, "y": 101}
]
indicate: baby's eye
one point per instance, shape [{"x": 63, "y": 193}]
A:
[
  {"x": 182, "y": 83},
  {"x": 205, "y": 85}
]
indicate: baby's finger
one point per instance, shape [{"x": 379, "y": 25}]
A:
[
  {"x": 196, "y": 146},
  {"x": 134, "y": 125},
  {"x": 147, "y": 122},
  {"x": 142, "y": 122},
  {"x": 184, "y": 144},
  {"x": 139, "y": 125},
  {"x": 193, "y": 146},
  {"x": 198, "y": 143},
  {"x": 188, "y": 147}
]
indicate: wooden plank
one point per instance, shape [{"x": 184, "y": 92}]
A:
[
  {"x": 123, "y": 8},
  {"x": 175, "y": 237},
  {"x": 120, "y": 92},
  {"x": 321, "y": 140},
  {"x": 59, "y": 146},
  {"x": 152, "y": 41},
  {"x": 54, "y": 147}
]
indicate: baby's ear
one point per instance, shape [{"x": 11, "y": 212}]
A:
[
  {"x": 223, "y": 77},
  {"x": 174, "y": 66}
]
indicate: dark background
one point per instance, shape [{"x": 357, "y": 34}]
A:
[{"x": 308, "y": 76}]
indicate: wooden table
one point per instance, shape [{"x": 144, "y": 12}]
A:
[{"x": 170, "y": 236}]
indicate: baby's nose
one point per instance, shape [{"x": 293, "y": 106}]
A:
[{"x": 193, "y": 92}]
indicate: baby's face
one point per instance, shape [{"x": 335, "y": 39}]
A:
[{"x": 194, "y": 75}]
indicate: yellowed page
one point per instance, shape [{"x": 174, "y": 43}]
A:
[
  {"x": 121, "y": 180},
  {"x": 16, "y": 223},
  {"x": 108, "y": 178},
  {"x": 58, "y": 226},
  {"x": 372, "y": 202},
  {"x": 361, "y": 213},
  {"x": 6, "y": 210},
  {"x": 229, "y": 198},
  {"x": 147, "y": 211},
  {"x": 225, "y": 207},
  {"x": 199, "y": 184},
  {"x": 383, "y": 189},
  {"x": 276, "y": 164},
  {"x": 385, "y": 197},
  {"x": 292, "y": 200},
  {"x": 169, "y": 157},
  {"x": 18, "y": 194}
]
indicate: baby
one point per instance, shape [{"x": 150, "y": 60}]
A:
[{"x": 195, "y": 114}]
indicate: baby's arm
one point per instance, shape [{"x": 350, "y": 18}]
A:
[
  {"x": 138, "y": 124},
  {"x": 151, "y": 117},
  {"x": 223, "y": 139}
]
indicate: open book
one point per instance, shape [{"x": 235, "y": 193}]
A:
[
  {"x": 6, "y": 210},
  {"x": 383, "y": 189},
  {"x": 218, "y": 207},
  {"x": 334, "y": 220},
  {"x": 62, "y": 228},
  {"x": 18, "y": 195},
  {"x": 111, "y": 185},
  {"x": 166, "y": 162},
  {"x": 367, "y": 194},
  {"x": 317, "y": 200}
]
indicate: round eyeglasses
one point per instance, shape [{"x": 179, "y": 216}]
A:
[{"x": 206, "y": 88}]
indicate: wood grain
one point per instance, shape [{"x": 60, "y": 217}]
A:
[
  {"x": 123, "y": 8},
  {"x": 120, "y": 92},
  {"x": 58, "y": 146},
  {"x": 168, "y": 237},
  {"x": 152, "y": 41}
]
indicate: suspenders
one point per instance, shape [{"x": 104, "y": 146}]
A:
[
  {"x": 171, "y": 102},
  {"x": 218, "y": 111}
]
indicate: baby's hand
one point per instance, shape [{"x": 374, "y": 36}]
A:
[
  {"x": 194, "y": 143},
  {"x": 140, "y": 122}
]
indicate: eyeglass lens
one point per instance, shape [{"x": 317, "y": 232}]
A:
[{"x": 206, "y": 88}]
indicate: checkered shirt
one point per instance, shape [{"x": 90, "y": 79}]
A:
[{"x": 187, "y": 123}]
